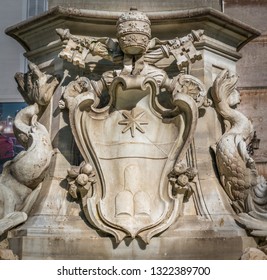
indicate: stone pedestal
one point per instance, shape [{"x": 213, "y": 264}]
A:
[{"x": 57, "y": 228}]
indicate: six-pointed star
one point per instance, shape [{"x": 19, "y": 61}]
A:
[{"x": 133, "y": 121}]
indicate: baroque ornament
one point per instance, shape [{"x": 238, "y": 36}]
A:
[{"x": 133, "y": 181}]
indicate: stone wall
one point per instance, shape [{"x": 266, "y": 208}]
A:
[{"x": 254, "y": 59}]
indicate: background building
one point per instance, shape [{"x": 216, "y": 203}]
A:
[
  {"x": 252, "y": 71},
  {"x": 12, "y": 61},
  {"x": 11, "y": 56}
]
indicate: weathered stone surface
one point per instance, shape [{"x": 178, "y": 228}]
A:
[
  {"x": 144, "y": 6},
  {"x": 170, "y": 247},
  {"x": 5, "y": 253},
  {"x": 253, "y": 254}
]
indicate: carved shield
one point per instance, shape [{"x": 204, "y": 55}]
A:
[{"x": 133, "y": 144}]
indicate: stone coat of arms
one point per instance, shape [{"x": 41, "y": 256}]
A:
[{"x": 132, "y": 127}]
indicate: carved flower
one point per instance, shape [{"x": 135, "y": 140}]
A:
[
  {"x": 80, "y": 179},
  {"x": 86, "y": 168},
  {"x": 180, "y": 179}
]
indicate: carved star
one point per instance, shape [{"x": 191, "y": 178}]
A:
[{"x": 133, "y": 121}]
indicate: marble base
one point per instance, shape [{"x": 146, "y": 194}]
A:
[{"x": 84, "y": 243}]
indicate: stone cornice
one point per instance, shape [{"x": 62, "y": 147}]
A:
[{"x": 216, "y": 25}]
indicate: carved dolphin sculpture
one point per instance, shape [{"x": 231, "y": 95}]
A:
[
  {"x": 21, "y": 176},
  {"x": 237, "y": 170},
  {"x": 231, "y": 154}
]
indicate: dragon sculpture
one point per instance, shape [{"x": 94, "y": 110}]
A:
[{"x": 237, "y": 170}]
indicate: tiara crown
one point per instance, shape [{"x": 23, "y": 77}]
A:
[{"x": 133, "y": 32}]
